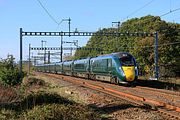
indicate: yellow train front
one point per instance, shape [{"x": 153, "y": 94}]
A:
[{"x": 129, "y": 67}]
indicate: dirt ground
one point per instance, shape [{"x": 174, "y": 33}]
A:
[{"x": 109, "y": 107}]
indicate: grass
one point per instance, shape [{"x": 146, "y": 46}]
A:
[
  {"x": 43, "y": 105},
  {"x": 60, "y": 112}
]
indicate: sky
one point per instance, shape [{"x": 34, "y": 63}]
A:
[{"x": 85, "y": 15}]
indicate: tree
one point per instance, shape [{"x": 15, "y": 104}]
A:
[{"x": 142, "y": 47}]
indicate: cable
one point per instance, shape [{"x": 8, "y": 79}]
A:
[
  {"x": 48, "y": 12},
  {"x": 171, "y": 11},
  {"x": 138, "y": 9},
  {"x": 153, "y": 45},
  {"x": 58, "y": 24}
]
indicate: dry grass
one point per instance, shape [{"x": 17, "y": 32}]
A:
[
  {"x": 28, "y": 102},
  {"x": 8, "y": 94}
]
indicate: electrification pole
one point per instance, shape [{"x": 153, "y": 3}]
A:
[
  {"x": 156, "y": 56},
  {"x": 118, "y": 25},
  {"x": 49, "y": 57},
  {"x": 69, "y": 22},
  {"x": 20, "y": 60},
  {"x": 69, "y": 26},
  {"x": 43, "y": 41},
  {"x": 61, "y": 47},
  {"x": 29, "y": 66}
]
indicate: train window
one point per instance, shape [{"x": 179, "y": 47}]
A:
[
  {"x": 103, "y": 63},
  {"x": 109, "y": 63},
  {"x": 127, "y": 61},
  {"x": 93, "y": 63}
]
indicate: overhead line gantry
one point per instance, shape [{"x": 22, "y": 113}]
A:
[
  {"x": 139, "y": 34},
  {"x": 115, "y": 33}
]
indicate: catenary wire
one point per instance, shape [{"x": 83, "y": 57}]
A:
[
  {"x": 138, "y": 9},
  {"x": 47, "y": 12},
  {"x": 171, "y": 11},
  {"x": 175, "y": 43}
]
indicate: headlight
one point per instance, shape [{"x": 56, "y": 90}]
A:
[
  {"x": 136, "y": 70},
  {"x": 135, "y": 67}
]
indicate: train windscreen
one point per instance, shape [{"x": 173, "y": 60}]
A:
[{"x": 127, "y": 61}]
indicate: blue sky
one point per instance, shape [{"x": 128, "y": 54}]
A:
[{"x": 86, "y": 15}]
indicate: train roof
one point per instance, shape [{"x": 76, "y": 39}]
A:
[
  {"x": 45, "y": 64},
  {"x": 118, "y": 54},
  {"x": 121, "y": 54}
]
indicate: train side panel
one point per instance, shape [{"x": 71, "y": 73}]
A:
[
  {"x": 52, "y": 68},
  {"x": 68, "y": 68},
  {"x": 46, "y": 68},
  {"x": 59, "y": 68},
  {"x": 81, "y": 68},
  {"x": 101, "y": 68}
]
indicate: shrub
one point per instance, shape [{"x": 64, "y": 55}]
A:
[
  {"x": 9, "y": 72},
  {"x": 34, "y": 81}
]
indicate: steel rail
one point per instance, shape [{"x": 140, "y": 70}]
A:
[
  {"x": 161, "y": 107},
  {"x": 158, "y": 90}
]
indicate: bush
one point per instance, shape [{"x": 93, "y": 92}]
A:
[
  {"x": 9, "y": 72},
  {"x": 34, "y": 81}
]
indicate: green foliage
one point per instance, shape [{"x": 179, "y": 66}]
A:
[
  {"x": 142, "y": 47},
  {"x": 9, "y": 72}
]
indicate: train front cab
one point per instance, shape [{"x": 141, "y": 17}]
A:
[{"x": 129, "y": 68}]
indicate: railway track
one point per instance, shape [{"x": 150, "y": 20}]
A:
[
  {"x": 162, "y": 107},
  {"x": 159, "y": 90}
]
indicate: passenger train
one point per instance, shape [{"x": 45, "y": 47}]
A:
[{"x": 118, "y": 68}]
